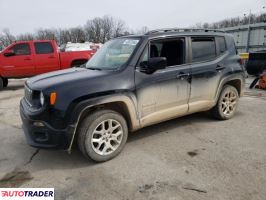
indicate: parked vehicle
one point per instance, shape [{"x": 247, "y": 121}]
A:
[
  {"x": 130, "y": 83},
  {"x": 256, "y": 63},
  {"x": 29, "y": 58},
  {"x": 85, "y": 46},
  {"x": 256, "y": 66}
]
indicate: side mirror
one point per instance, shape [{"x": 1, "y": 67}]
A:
[
  {"x": 9, "y": 53},
  {"x": 153, "y": 64}
]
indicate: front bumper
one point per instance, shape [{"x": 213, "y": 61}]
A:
[{"x": 40, "y": 134}]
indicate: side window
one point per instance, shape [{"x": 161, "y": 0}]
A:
[
  {"x": 21, "y": 49},
  {"x": 43, "y": 47},
  {"x": 173, "y": 50},
  {"x": 203, "y": 49},
  {"x": 221, "y": 45}
]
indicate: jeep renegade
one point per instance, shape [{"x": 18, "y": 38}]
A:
[{"x": 130, "y": 83}]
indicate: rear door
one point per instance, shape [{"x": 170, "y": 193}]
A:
[
  {"x": 207, "y": 67},
  {"x": 46, "y": 57},
  {"x": 20, "y": 64}
]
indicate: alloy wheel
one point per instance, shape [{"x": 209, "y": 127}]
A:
[{"x": 107, "y": 137}]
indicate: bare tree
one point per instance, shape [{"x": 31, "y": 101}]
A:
[
  {"x": 93, "y": 29},
  {"x": 46, "y": 34},
  {"x": 119, "y": 28},
  {"x": 236, "y": 21},
  {"x": 6, "y": 37},
  {"x": 25, "y": 37},
  {"x": 103, "y": 29},
  {"x": 143, "y": 30}
]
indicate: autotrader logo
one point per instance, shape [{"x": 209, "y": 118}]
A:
[{"x": 26, "y": 193}]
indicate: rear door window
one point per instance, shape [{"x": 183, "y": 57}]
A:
[
  {"x": 43, "y": 48},
  {"x": 203, "y": 49},
  {"x": 221, "y": 45},
  {"x": 21, "y": 49}
]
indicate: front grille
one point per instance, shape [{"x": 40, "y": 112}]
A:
[{"x": 28, "y": 95}]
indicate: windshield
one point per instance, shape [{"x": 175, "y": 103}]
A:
[{"x": 113, "y": 54}]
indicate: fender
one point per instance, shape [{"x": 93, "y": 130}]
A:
[
  {"x": 127, "y": 99},
  {"x": 240, "y": 77}
]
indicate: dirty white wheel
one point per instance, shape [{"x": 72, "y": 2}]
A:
[
  {"x": 227, "y": 103},
  {"x": 102, "y": 135}
]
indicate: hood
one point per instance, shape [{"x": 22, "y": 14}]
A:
[{"x": 62, "y": 77}]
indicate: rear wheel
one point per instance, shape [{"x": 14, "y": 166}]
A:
[
  {"x": 227, "y": 103},
  {"x": 78, "y": 63},
  {"x": 102, "y": 135},
  {"x": 5, "y": 82}
]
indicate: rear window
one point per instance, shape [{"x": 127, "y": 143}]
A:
[
  {"x": 221, "y": 45},
  {"x": 203, "y": 49},
  {"x": 43, "y": 47}
]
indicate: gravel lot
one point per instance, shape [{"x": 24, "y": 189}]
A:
[{"x": 190, "y": 158}]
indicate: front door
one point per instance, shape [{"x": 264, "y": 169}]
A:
[
  {"x": 20, "y": 64},
  {"x": 164, "y": 94}
]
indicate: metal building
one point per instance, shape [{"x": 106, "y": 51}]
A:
[{"x": 249, "y": 38}]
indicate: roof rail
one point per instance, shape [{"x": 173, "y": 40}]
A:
[{"x": 183, "y": 30}]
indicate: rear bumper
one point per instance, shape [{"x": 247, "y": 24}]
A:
[{"x": 40, "y": 134}]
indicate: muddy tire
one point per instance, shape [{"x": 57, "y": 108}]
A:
[
  {"x": 5, "y": 82},
  {"x": 227, "y": 103},
  {"x": 102, "y": 135}
]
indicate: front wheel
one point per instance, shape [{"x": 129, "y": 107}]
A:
[
  {"x": 5, "y": 82},
  {"x": 102, "y": 135},
  {"x": 1, "y": 83},
  {"x": 226, "y": 104}
]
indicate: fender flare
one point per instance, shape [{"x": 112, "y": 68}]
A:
[
  {"x": 83, "y": 106},
  {"x": 233, "y": 77}
]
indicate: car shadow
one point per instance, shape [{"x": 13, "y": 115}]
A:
[{"x": 49, "y": 159}]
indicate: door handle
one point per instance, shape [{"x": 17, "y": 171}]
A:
[
  {"x": 27, "y": 58},
  {"x": 183, "y": 76},
  {"x": 220, "y": 67},
  {"x": 51, "y": 57}
]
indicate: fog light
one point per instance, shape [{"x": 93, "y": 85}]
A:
[{"x": 38, "y": 124}]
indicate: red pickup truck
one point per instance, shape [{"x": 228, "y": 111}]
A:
[{"x": 29, "y": 58}]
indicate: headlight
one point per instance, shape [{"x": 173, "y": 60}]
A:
[{"x": 41, "y": 98}]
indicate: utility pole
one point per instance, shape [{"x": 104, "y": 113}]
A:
[{"x": 248, "y": 36}]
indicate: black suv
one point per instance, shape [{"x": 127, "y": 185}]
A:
[{"x": 133, "y": 82}]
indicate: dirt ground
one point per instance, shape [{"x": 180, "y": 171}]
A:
[{"x": 190, "y": 158}]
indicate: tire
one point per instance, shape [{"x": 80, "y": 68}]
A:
[
  {"x": 227, "y": 103},
  {"x": 78, "y": 63},
  {"x": 5, "y": 82},
  {"x": 1, "y": 83},
  {"x": 108, "y": 142}
]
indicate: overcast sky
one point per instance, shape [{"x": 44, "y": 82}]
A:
[{"x": 21, "y": 16}]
